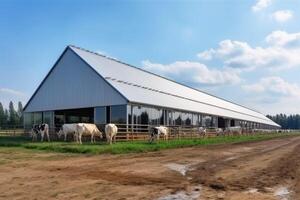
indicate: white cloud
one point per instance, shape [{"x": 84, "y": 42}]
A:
[
  {"x": 272, "y": 105},
  {"x": 282, "y": 15},
  {"x": 206, "y": 55},
  {"x": 273, "y": 95},
  {"x": 281, "y": 52},
  {"x": 5, "y": 91},
  {"x": 193, "y": 72},
  {"x": 261, "y": 4},
  {"x": 7, "y": 95},
  {"x": 276, "y": 86},
  {"x": 284, "y": 39}
]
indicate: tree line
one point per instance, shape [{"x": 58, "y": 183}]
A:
[
  {"x": 11, "y": 117},
  {"x": 286, "y": 121}
]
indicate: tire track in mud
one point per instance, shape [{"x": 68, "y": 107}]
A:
[
  {"x": 282, "y": 170},
  {"x": 276, "y": 165},
  {"x": 170, "y": 180}
]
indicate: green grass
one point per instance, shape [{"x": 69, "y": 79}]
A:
[
  {"x": 13, "y": 141},
  {"x": 129, "y": 147}
]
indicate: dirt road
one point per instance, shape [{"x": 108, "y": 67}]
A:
[{"x": 259, "y": 170}]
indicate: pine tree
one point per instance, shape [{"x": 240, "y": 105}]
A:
[
  {"x": 2, "y": 117},
  {"x": 12, "y": 114},
  {"x": 20, "y": 113},
  {"x": 286, "y": 122},
  {"x": 5, "y": 121}
]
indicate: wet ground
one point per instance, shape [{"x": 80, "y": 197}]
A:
[{"x": 258, "y": 170}]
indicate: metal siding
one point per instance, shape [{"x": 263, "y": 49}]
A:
[
  {"x": 114, "y": 69},
  {"x": 73, "y": 84}
]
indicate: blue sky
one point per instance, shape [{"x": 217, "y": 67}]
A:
[{"x": 245, "y": 51}]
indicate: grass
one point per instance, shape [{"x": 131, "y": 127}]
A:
[
  {"x": 13, "y": 141},
  {"x": 129, "y": 147}
]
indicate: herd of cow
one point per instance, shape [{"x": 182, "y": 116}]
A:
[{"x": 77, "y": 130}]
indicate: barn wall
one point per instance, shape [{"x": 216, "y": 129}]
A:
[{"x": 73, "y": 84}]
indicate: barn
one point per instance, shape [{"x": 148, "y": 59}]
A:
[{"x": 84, "y": 86}]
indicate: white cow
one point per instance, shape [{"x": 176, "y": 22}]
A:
[
  {"x": 111, "y": 131},
  {"x": 87, "y": 129},
  {"x": 155, "y": 133},
  {"x": 42, "y": 129},
  {"x": 234, "y": 130},
  {"x": 202, "y": 131},
  {"x": 219, "y": 132},
  {"x": 68, "y": 129}
]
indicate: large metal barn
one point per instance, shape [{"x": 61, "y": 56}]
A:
[{"x": 84, "y": 86}]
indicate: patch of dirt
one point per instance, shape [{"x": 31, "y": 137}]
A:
[{"x": 256, "y": 170}]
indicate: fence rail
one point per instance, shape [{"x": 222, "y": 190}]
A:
[
  {"x": 129, "y": 132},
  {"x": 12, "y": 132}
]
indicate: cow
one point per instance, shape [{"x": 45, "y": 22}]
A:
[
  {"x": 111, "y": 131},
  {"x": 219, "y": 132},
  {"x": 87, "y": 129},
  {"x": 68, "y": 129},
  {"x": 279, "y": 131},
  {"x": 40, "y": 129},
  {"x": 234, "y": 130},
  {"x": 34, "y": 132},
  {"x": 202, "y": 131},
  {"x": 155, "y": 133}
]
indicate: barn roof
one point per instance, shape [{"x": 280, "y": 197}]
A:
[{"x": 140, "y": 86}]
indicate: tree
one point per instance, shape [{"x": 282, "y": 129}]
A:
[
  {"x": 5, "y": 117},
  {"x": 20, "y": 113},
  {"x": 286, "y": 122},
  {"x": 13, "y": 118},
  {"x": 2, "y": 116}
]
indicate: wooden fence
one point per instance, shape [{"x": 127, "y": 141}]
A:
[
  {"x": 129, "y": 132},
  {"x": 11, "y": 130}
]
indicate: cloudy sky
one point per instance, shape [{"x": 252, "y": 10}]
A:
[{"x": 245, "y": 51}]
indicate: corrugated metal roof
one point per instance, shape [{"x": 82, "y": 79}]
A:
[{"x": 140, "y": 86}]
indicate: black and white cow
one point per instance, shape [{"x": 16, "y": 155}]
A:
[
  {"x": 155, "y": 133},
  {"x": 40, "y": 129}
]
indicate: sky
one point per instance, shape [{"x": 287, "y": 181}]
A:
[{"x": 246, "y": 51}]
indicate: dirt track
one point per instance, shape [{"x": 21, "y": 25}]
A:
[{"x": 260, "y": 170}]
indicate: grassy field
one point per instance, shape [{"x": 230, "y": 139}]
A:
[{"x": 129, "y": 147}]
